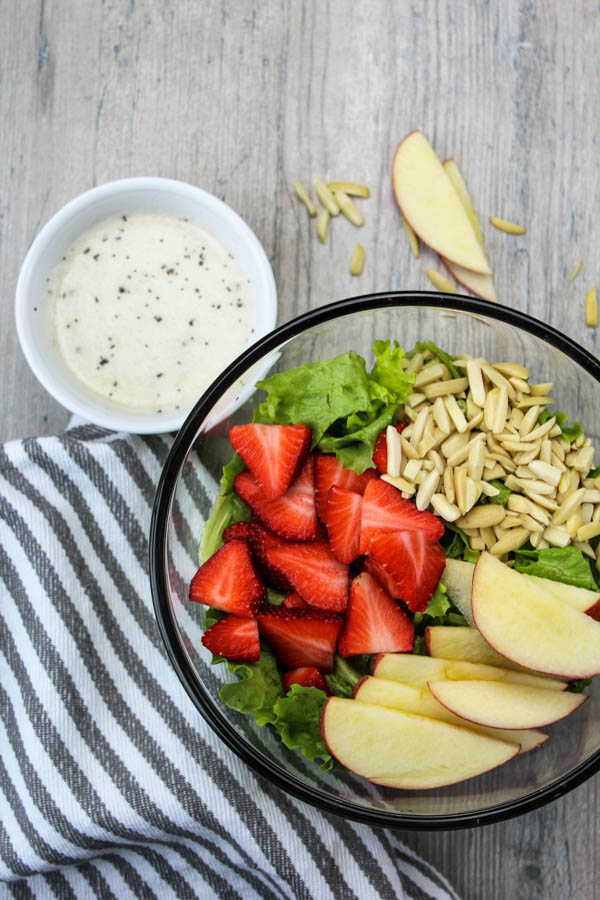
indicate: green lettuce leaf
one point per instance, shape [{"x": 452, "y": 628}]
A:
[
  {"x": 257, "y": 690},
  {"x": 456, "y": 544},
  {"x": 344, "y": 406},
  {"x": 501, "y": 498},
  {"x": 227, "y": 508},
  {"x": 569, "y": 431},
  {"x": 344, "y": 676},
  {"x": 297, "y": 719},
  {"x": 565, "y": 564},
  {"x": 578, "y": 686},
  {"x": 422, "y": 346},
  {"x": 439, "y": 603}
]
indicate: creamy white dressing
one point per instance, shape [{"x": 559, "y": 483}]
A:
[{"x": 149, "y": 308}]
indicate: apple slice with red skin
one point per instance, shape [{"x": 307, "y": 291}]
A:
[
  {"x": 419, "y": 670},
  {"x": 402, "y": 750},
  {"x": 504, "y": 705},
  {"x": 465, "y": 644},
  {"x": 395, "y": 695},
  {"x": 432, "y": 207},
  {"x": 531, "y": 627}
]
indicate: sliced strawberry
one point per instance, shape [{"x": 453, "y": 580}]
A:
[
  {"x": 380, "y": 451},
  {"x": 330, "y": 471},
  {"x": 313, "y": 572},
  {"x": 307, "y": 676},
  {"x": 292, "y": 516},
  {"x": 384, "y": 510},
  {"x": 295, "y": 601},
  {"x": 273, "y": 453},
  {"x": 228, "y": 581},
  {"x": 299, "y": 637},
  {"x": 374, "y": 622},
  {"x": 258, "y": 539},
  {"x": 381, "y": 574},
  {"x": 235, "y": 637},
  {"x": 413, "y": 561},
  {"x": 343, "y": 523}
]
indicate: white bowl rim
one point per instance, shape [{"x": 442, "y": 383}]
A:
[{"x": 122, "y": 419}]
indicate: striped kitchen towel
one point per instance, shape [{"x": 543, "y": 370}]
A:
[{"x": 111, "y": 783}]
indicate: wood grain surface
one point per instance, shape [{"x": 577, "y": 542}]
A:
[{"x": 242, "y": 98}]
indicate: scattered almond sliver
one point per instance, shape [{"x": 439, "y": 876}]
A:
[
  {"x": 591, "y": 308},
  {"x": 349, "y": 187},
  {"x": 505, "y": 225},
  {"x": 323, "y": 224},
  {"x": 349, "y": 208},
  {"x": 440, "y": 281},
  {"x": 303, "y": 196},
  {"x": 358, "y": 260},
  {"x": 413, "y": 240},
  {"x": 462, "y": 433},
  {"x": 577, "y": 269}
]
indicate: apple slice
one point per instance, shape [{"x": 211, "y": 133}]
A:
[
  {"x": 418, "y": 670},
  {"x": 481, "y": 285},
  {"x": 457, "y": 578},
  {"x": 503, "y": 705},
  {"x": 401, "y": 750},
  {"x": 380, "y": 692},
  {"x": 465, "y": 644},
  {"x": 522, "y": 621},
  {"x": 431, "y": 206}
]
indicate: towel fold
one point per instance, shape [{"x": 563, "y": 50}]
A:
[{"x": 111, "y": 783}]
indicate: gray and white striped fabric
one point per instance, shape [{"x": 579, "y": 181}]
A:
[{"x": 111, "y": 784}]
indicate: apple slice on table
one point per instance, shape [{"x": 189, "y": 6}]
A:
[
  {"x": 504, "y": 705},
  {"x": 523, "y": 622},
  {"x": 482, "y": 285},
  {"x": 457, "y": 578},
  {"x": 431, "y": 205},
  {"x": 466, "y": 644},
  {"x": 401, "y": 750},
  {"x": 379, "y": 692},
  {"x": 419, "y": 670}
]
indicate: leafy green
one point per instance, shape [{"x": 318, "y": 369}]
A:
[
  {"x": 297, "y": 719},
  {"x": 257, "y": 690},
  {"x": 565, "y": 564},
  {"x": 275, "y": 598},
  {"x": 439, "y": 603},
  {"x": 456, "y": 544},
  {"x": 578, "y": 686},
  {"x": 227, "y": 508},
  {"x": 594, "y": 473},
  {"x": 344, "y": 406},
  {"x": 345, "y": 676},
  {"x": 422, "y": 346},
  {"x": 569, "y": 431},
  {"x": 501, "y": 498}
]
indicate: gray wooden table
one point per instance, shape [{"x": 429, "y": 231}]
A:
[{"x": 242, "y": 98}]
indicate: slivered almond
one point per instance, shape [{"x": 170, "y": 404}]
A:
[
  {"x": 302, "y": 193},
  {"x": 412, "y": 469},
  {"x": 455, "y": 413},
  {"x": 441, "y": 282},
  {"x": 407, "y": 448},
  {"x": 495, "y": 472},
  {"x": 427, "y": 489},
  {"x": 546, "y": 453},
  {"x": 441, "y": 417},
  {"x": 490, "y": 490},
  {"x": 591, "y": 308},
  {"x": 540, "y": 390},
  {"x": 475, "y": 459},
  {"x": 512, "y": 540},
  {"x": 460, "y": 488},
  {"x": 520, "y": 386},
  {"x": 323, "y": 224},
  {"x": 326, "y": 197},
  {"x": 415, "y": 363},
  {"x": 441, "y": 388},
  {"x": 488, "y": 537},
  {"x": 401, "y": 483},
  {"x": 591, "y": 496},
  {"x": 558, "y": 537},
  {"x": 444, "y": 508},
  {"x": 500, "y": 411},
  {"x": 526, "y": 402},
  {"x": 577, "y": 269},
  {"x": 357, "y": 261},
  {"x": 545, "y": 471},
  {"x": 540, "y": 431},
  {"x": 448, "y": 482},
  {"x": 394, "y": 450},
  {"x": 415, "y": 399},
  {"x": 498, "y": 380},
  {"x": 588, "y": 531},
  {"x": 476, "y": 381},
  {"x": 419, "y": 427},
  {"x": 568, "y": 507},
  {"x": 437, "y": 461},
  {"x": 349, "y": 187},
  {"x": 413, "y": 240},
  {"x": 506, "y": 226},
  {"x": 512, "y": 370},
  {"x": 586, "y": 548},
  {"x": 482, "y": 516},
  {"x": 489, "y": 410},
  {"x": 429, "y": 373},
  {"x": 528, "y": 421},
  {"x": 349, "y": 208}
]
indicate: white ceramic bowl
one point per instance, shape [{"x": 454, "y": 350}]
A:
[{"x": 34, "y": 316}]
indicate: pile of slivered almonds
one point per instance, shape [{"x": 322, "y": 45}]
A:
[{"x": 464, "y": 433}]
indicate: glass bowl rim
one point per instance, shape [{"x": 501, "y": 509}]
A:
[{"x": 157, "y": 562}]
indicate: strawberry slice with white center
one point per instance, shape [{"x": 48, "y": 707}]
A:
[
  {"x": 228, "y": 581},
  {"x": 307, "y": 676},
  {"x": 299, "y": 637},
  {"x": 314, "y": 572},
  {"x": 292, "y": 516},
  {"x": 413, "y": 561},
  {"x": 273, "y": 453},
  {"x": 330, "y": 471},
  {"x": 343, "y": 523},
  {"x": 385, "y": 510},
  {"x": 235, "y": 637},
  {"x": 374, "y": 622},
  {"x": 380, "y": 450},
  {"x": 258, "y": 539},
  {"x": 381, "y": 574}
]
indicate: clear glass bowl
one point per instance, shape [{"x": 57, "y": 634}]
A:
[{"x": 189, "y": 484}]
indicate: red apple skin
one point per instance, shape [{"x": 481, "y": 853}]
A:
[
  {"x": 323, "y": 726},
  {"x": 357, "y": 686},
  {"x": 376, "y": 662},
  {"x": 594, "y": 611},
  {"x": 582, "y": 698},
  {"x": 455, "y": 276}
]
